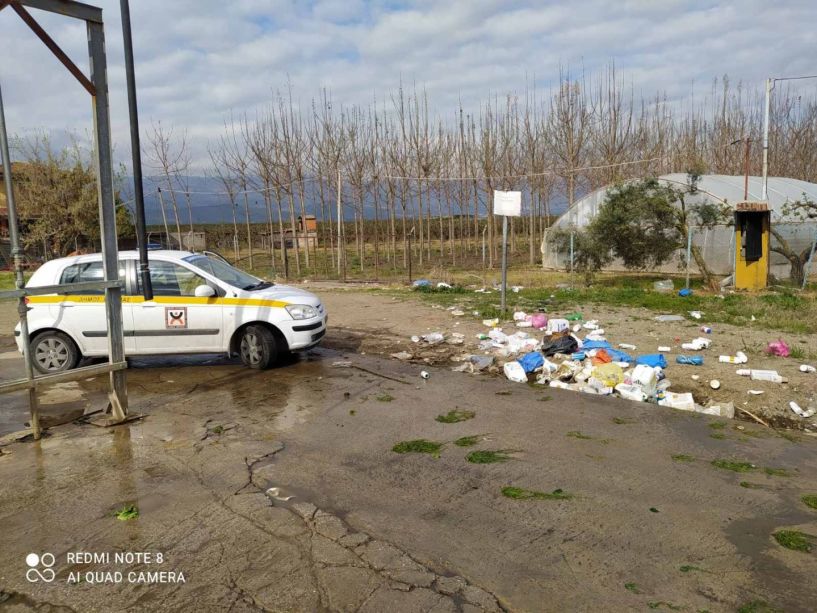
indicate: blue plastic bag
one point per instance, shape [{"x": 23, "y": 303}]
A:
[
  {"x": 579, "y": 356},
  {"x": 652, "y": 359},
  {"x": 619, "y": 356},
  {"x": 588, "y": 345},
  {"x": 422, "y": 283},
  {"x": 685, "y": 292},
  {"x": 691, "y": 360},
  {"x": 531, "y": 361}
]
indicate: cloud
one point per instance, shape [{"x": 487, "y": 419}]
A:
[{"x": 198, "y": 61}]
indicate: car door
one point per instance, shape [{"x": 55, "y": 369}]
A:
[
  {"x": 82, "y": 314},
  {"x": 176, "y": 320}
]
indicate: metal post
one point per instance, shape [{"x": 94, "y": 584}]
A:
[
  {"x": 766, "y": 110},
  {"x": 107, "y": 216},
  {"x": 340, "y": 222},
  {"x": 164, "y": 217},
  {"x": 504, "y": 259},
  {"x": 410, "y": 234},
  {"x": 572, "y": 259},
  {"x": 136, "y": 153},
  {"x": 17, "y": 253},
  {"x": 689, "y": 253},
  {"x": 746, "y": 169}
]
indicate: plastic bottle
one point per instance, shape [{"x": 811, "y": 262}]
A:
[
  {"x": 807, "y": 368},
  {"x": 766, "y": 375}
]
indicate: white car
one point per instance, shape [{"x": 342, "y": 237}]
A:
[{"x": 201, "y": 304}]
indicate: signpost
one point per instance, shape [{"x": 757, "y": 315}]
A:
[{"x": 507, "y": 204}]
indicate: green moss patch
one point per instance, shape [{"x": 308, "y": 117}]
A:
[
  {"x": 750, "y": 486},
  {"x": 420, "y": 445},
  {"x": 682, "y": 457},
  {"x": 794, "y": 540},
  {"x": 468, "y": 441},
  {"x": 455, "y": 416},
  {"x": 489, "y": 457},
  {"x": 127, "y": 512},
  {"x": 518, "y": 493},
  {"x": 717, "y": 425},
  {"x": 385, "y": 398},
  {"x": 810, "y": 500},
  {"x": 777, "y": 472},
  {"x": 734, "y": 465}
]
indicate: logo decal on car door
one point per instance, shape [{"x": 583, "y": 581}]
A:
[{"x": 175, "y": 318}]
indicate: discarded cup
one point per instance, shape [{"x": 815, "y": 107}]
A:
[
  {"x": 715, "y": 384},
  {"x": 424, "y": 374}
]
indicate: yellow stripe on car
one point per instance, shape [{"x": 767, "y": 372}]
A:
[{"x": 256, "y": 302}]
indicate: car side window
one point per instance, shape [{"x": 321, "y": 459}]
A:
[
  {"x": 87, "y": 271},
  {"x": 169, "y": 279}
]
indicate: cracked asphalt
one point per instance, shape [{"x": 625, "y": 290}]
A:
[{"x": 279, "y": 491}]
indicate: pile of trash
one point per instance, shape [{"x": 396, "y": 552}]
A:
[{"x": 592, "y": 365}]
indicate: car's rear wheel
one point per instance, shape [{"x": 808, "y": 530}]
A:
[
  {"x": 258, "y": 348},
  {"x": 54, "y": 352}
]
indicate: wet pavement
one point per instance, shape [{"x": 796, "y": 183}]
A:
[{"x": 279, "y": 491}]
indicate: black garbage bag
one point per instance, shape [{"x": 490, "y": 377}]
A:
[{"x": 565, "y": 345}]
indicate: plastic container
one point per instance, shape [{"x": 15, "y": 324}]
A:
[
  {"x": 631, "y": 392},
  {"x": 738, "y": 358},
  {"x": 766, "y": 375},
  {"x": 807, "y": 368},
  {"x": 665, "y": 287},
  {"x": 646, "y": 378},
  {"x": 515, "y": 372},
  {"x": 685, "y": 402}
]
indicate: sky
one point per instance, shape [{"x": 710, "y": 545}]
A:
[{"x": 199, "y": 61}]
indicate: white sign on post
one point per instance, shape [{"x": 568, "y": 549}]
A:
[{"x": 507, "y": 203}]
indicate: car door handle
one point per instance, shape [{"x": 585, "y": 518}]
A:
[
  {"x": 68, "y": 303},
  {"x": 149, "y": 305}
]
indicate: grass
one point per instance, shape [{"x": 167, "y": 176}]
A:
[
  {"x": 794, "y": 540},
  {"x": 682, "y": 457},
  {"x": 7, "y": 280},
  {"x": 750, "y": 486},
  {"x": 489, "y": 457},
  {"x": 734, "y": 465},
  {"x": 773, "y": 310},
  {"x": 518, "y": 493},
  {"x": 718, "y": 425},
  {"x": 688, "y": 568},
  {"x": 579, "y": 435},
  {"x": 127, "y": 512},
  {"x": 777, "y": 472},
  {"x": 385, "y": 398},
  {"x": 418, "y": 446},
  {"x": 810, "y": 500},
  {"x": 455, "y": 416},
  {"x": 632, "y": 587},
  {"x": 718, "y": 435},
  {"x": 468, "y": 441}
]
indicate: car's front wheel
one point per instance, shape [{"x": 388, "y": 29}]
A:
[
  {"x": 54, "y": 352},
  {"x": 258, "y": 347}
]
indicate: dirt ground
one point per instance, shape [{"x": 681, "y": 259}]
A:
[
  {"x": 385, "y": 324},
  {"x": 641, "y": 519}
]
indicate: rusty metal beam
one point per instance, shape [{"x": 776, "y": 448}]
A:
[
  {"x": 53, "y": 46},
  {"x": 69, "y": 8}
]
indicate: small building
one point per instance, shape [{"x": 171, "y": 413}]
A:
[{"x": 307, "y": 235}]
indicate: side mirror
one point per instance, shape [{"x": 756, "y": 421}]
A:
[{"x": 205, "y": 291}]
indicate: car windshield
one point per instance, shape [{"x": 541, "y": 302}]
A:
[{"x": 223, "y": 271}]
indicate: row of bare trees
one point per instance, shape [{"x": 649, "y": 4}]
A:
[{"x": 426, "y": 180}]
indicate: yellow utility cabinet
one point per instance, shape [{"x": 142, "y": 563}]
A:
[{"x": 752, "y": 228}]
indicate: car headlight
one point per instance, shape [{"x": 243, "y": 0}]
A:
[{"x": 302, "y": 311}]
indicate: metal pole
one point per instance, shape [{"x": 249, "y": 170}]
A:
[
  {"x": 765, "y": 184},
  {"x": 164, "y": 217},
  {"x": 340, "y": 222},
  {"x": 17, "y": 253},
  {"x": 572, "y": 260},
  {"x": 136, "y": 153},
  {"x": 107, "y": 216},
  {"x": 746, "y": 169},
  {"x": 689, "y": 253},
  {"x": 504, "y": 259},
  {"x": 410, "y": 234}
]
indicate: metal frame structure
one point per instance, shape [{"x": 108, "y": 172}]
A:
[{"x": 97, "y": 86}]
